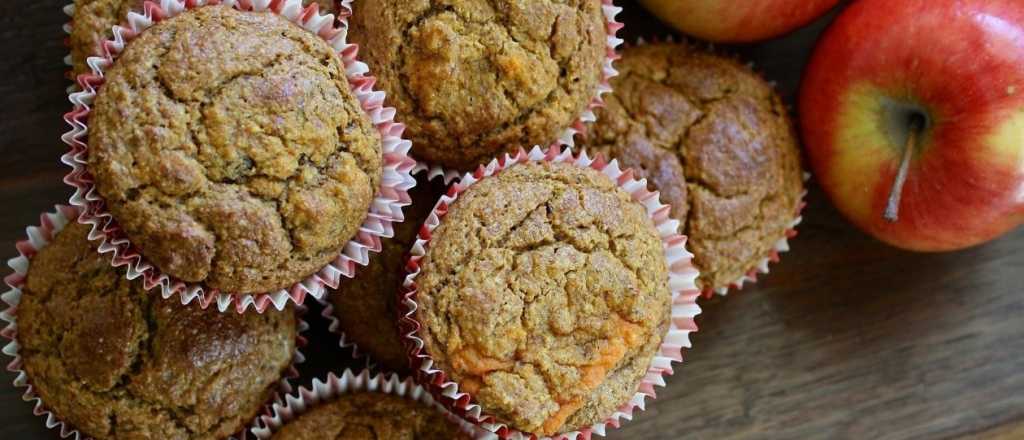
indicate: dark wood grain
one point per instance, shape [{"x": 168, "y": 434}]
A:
[{"x": 847, "y": 339}]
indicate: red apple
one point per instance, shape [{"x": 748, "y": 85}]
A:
[
  {"x": 917, "y": 106},
  {"x": 738, "y": 21}
]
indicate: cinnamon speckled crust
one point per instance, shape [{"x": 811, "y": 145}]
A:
[
  {"x": 231, "y": 151},
  {"x": 365, "y": 306},
  {"x": 717, "y": 142},
  {"x": 117, "y": 362},
  {"x": 473, "y": 78},
  {"x": 544, "y": 294},
  {"x": 94, "y": 20},
  {"x": 371, "y": 416}
]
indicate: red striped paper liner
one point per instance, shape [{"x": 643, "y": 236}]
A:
[
  {"x": 385, "y": 210},
  {"x": 682, "y": 283},
  {"x": 291, "y": 406},
  {"x": 38, "y": 237},
  {"x": 334, "y": 326}
]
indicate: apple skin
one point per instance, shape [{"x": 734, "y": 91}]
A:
[
  {"x": 958, "y": 63},
  {"x": 738, "y": 21}
]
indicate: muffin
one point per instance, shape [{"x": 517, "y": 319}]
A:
[
  {"x": 474, "y": 78},
  {"x": 94, "y": 20},
  {"x": 115, "y": 362},
  {"x": 368, "y": 415},
  {"x": 230, "y": 150},
  {"x": 716, "y": 141},
  {"x": 365, "y": 306},
  {"x": 544, "y": 293}
]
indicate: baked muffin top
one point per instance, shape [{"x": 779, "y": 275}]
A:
[
  {"x": 716, "y": 141},
  {"x": 116, "y": 362},
  {"x": 94, "y": 21},
  {"x": 544, "y": 294},
  {"x": 365, "y": 306},
  {"x": 231, "y": 151},
  {"x": 474, "y": 78},
  {"x": 371, "y": 416},
  {"x": 93, "y": 24}
]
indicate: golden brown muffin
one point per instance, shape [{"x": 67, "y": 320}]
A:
[
  {"x": 716, "y": 141},
  {"x": 231, "y": 151},
  {"x": 544, "y": 294},
  {"x": 116, "y": 362},
  {"x": 94, "y": 20},
  {"x": 371, "y": 416},
  {"x": 93, "y": 24},
  {"x": 474, "y": 78},
  {"x": 365, "y": 306}
]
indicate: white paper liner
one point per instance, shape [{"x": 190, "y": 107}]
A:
[
  {"x": 334, "y": 326},
  {"x": 290, "y": 407},
  {"x": 69, "y": 10},
  {"x": 385, "y": 209},
  {"x": 682, "y": 283},
  {"x": 39, "y": 237}
]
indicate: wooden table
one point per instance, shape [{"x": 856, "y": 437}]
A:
[{"x": 847, "y": 338}]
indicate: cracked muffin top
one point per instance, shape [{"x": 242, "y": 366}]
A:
[
  {"x": 94, "y": 21},
  {"x": 474, "y": 78},
  {"x": 231, "y": 151},
  {"x": 365, "y": 306},
  {"x": 716, "y": 141},
  {"x": 544, "y": 294},
  {"x": 116, "y": 362},
  {"x": 371, "y": 416}
]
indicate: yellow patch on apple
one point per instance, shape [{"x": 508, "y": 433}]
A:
[
  {"x": 1007, "y": 139},
  {"x": 861, "y": 144}
]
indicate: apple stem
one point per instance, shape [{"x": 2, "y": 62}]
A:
[{"x": 892, "y": 209}]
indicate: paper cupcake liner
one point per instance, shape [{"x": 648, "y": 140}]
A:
[
  {"x": 291, "y": 406},
  {"x": 334, "y": 326},
  {"x": 69, "y": 10},
  {"x": 435, "y": 171},
  {"x": 385, "y": 209},
  {"x": 39, "y": 237},
  {"x": 682, "y": 278}
]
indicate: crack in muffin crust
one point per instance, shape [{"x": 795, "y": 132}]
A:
[
  {"x": 117, "y": 362},
  {"x": 371, "y": 416},
  {"x": 474, "y": 78},
  {"x": 231, "y": 150},
  {"x": 544, "y": 294},
  {"x": 716, "y": 141}
]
